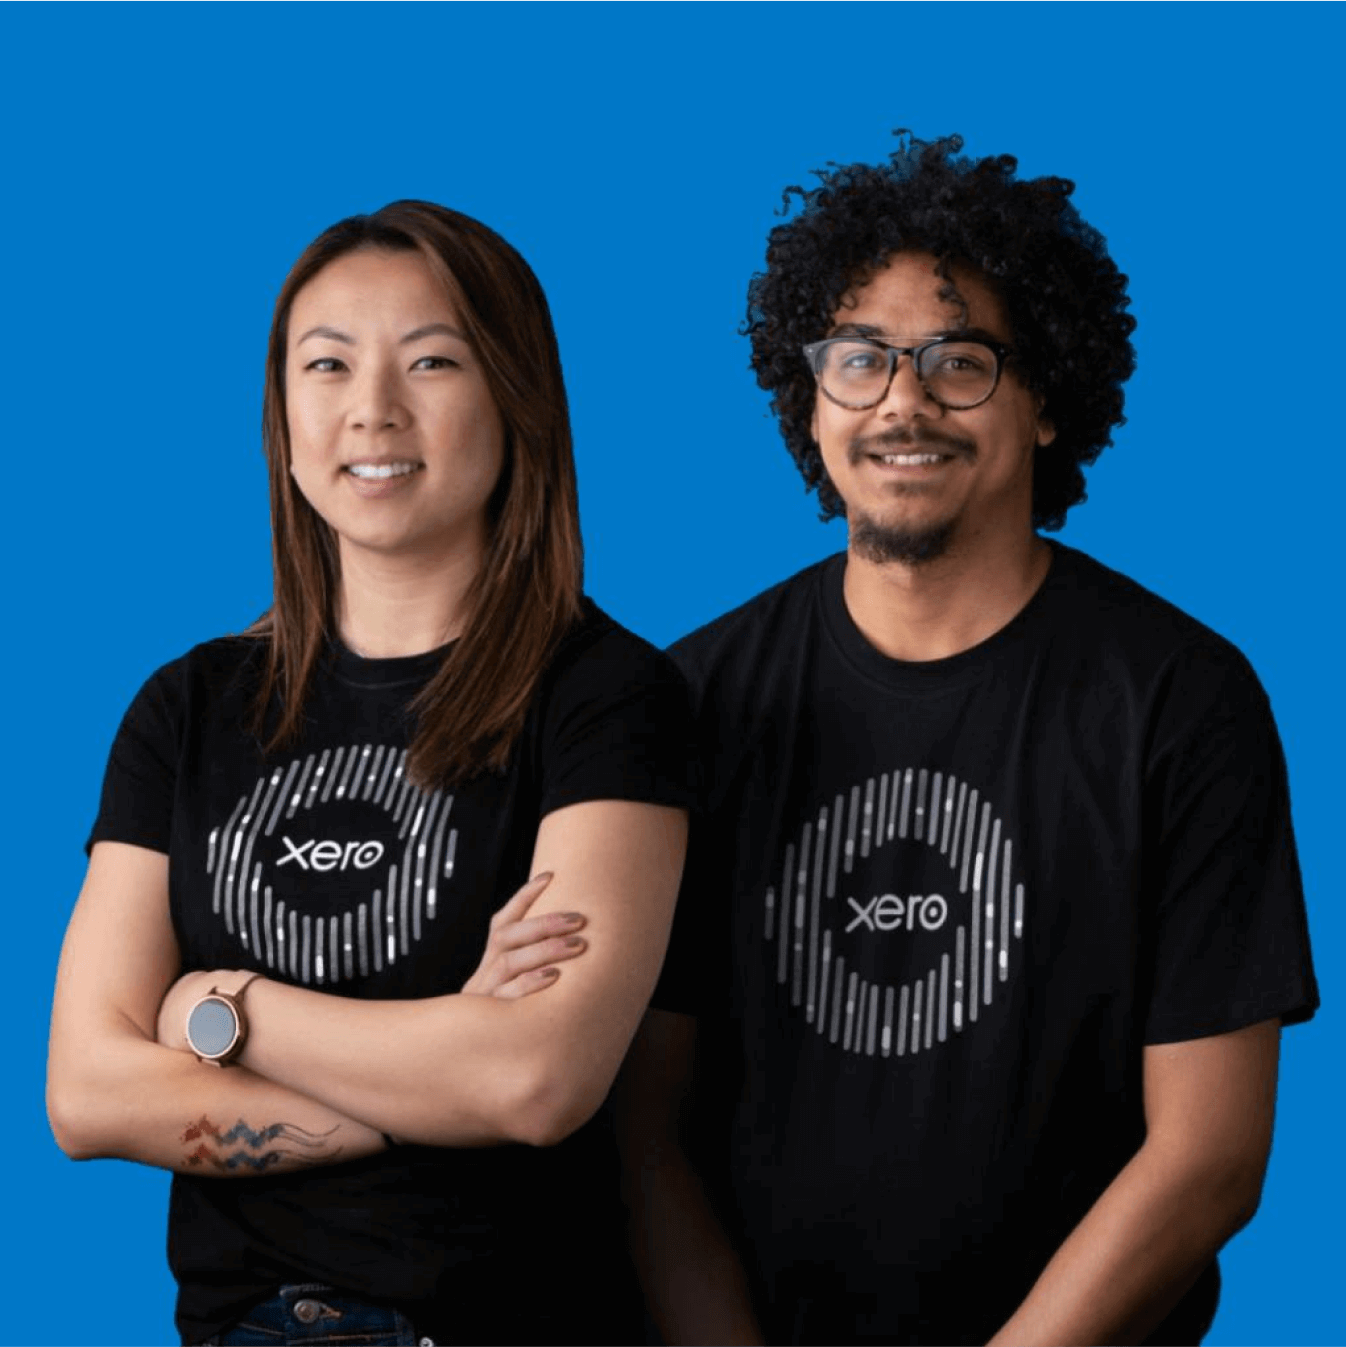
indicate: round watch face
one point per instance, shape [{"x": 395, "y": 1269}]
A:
[{"x": 212, "y": 1027}]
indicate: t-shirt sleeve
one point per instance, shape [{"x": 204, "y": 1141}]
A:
[
  {"x": 617, "y": 727},
  {"x": 1230, "y": 934},
  {"x": 139, "y": 784}
]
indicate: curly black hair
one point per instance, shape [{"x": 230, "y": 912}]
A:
[{"x": 1064, "y": 296}]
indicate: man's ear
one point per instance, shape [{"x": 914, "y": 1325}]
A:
[{"x": 1046, "y": 431}]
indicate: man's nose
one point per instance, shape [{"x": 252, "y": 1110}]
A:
[{"x": 907, "y": 396}]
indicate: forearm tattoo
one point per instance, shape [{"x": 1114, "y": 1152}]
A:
[{"x": 255, "y": 1150}]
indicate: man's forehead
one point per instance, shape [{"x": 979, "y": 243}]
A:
[
  {"x": 907, "y": 294},
  {"x": 878, "y": 333}
]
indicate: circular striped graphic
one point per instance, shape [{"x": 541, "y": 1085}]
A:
[
  {"x": 801, "y": 914},
  {"x": 405, "y": 873}
]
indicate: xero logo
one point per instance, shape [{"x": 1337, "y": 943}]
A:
[
  {"x": 940, "y": 952},
  {"x": 888, "y": 912},
  {"x": 315, "y": 855},
  {"x": 277, "y": 877}
]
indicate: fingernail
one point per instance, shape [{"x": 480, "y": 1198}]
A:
[
  {"x": 572, "y": 918},
  {"x": 548, "y": 972},
  {"x": 574, "y": 942},
  {"x": 541, "y": 878}
]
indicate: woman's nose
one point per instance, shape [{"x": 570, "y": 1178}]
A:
[{"x": 376, "y": 402}]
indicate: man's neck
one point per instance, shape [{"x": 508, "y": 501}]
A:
[{"x": 940, "y": 608}]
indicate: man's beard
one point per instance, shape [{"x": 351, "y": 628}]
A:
[
  {"x": 880, "y": 542},
  {"x": 911, "y": 546}
]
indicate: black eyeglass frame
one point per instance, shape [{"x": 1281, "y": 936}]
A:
[{"x": 814, "y": 351}]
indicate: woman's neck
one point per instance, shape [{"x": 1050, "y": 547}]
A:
[{"x": 387, "y": 607}]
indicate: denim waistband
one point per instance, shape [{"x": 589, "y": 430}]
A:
[{"x": 320, "y": 1316}]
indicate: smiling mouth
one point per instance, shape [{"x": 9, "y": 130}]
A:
[
  {"x": 379, "y": 472},
  {"x": 897, "y": 450},
  {"x": 911, "y": 460}
]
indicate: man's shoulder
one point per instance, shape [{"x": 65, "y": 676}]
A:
[
  {"x": 1171, "y": 667},
  {"x": 754, "y": 630},
  {"x": 1118, "y": 611}
]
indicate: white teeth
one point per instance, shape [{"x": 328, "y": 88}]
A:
[
  {"x": 908, "y": 460},
  {"x": 378, "y": 471}
]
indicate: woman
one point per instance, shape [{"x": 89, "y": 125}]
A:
[{"x": 322, "y": 820}]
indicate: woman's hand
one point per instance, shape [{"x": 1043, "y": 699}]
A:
[
  {"x": 522, "y": 952},
  {"x": 499, "y": 1064},
  {"x": 520, "y": 958}
]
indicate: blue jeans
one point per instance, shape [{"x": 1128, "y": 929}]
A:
[{"x": 318, "y": 1316}]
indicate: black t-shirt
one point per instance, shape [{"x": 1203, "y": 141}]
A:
[
  {"x": 325, "y": 867},
  {"x": 944, "y": 906}
]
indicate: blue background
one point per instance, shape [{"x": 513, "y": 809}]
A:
[{"x": 165, "y": 164}]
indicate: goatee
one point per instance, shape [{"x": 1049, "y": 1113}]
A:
[{"x": 878, "y": 542}]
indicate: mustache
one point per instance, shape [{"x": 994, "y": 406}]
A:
[{"x": 918, "y": 440}]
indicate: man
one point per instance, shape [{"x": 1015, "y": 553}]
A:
[{"x": 993, "y": 913}]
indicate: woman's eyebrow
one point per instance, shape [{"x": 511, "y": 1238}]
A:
[
  {"x": 429, "y": 330},
  {"x": 433, "y": 330},
  {"x": 330, "y": 333}
]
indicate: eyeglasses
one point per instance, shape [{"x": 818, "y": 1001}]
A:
[{"x": 856, "y": 372}]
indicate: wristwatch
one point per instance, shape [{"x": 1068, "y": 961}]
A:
[{"x": 217, "y": 1028}]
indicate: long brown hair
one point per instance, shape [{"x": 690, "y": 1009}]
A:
[{"x": 527, "y": 592}]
